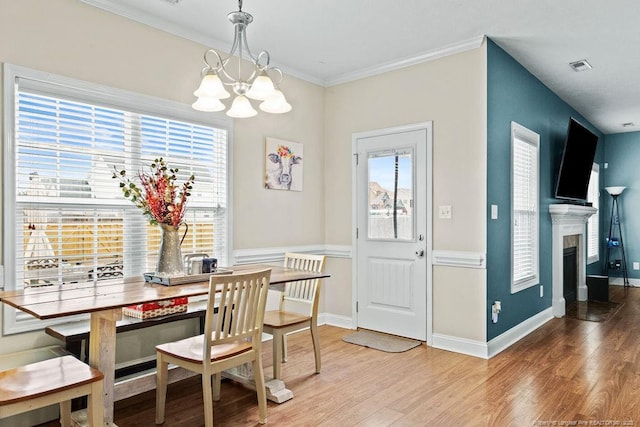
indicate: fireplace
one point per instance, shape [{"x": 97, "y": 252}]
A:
[
  {"x": 570, "y": 274},
  {"x": 568, "y": 220}
]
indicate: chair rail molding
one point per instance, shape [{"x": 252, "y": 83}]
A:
[
  {"x": 276, "y": 254},
  {"x": 459, "y": 259}
]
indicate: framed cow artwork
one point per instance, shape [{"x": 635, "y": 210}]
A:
[{"x": 283, "y": 165}]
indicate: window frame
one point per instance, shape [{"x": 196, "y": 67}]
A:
[
  {"x": 96, "y": 94},
  {"x": 593, "y": 197},
  {"x": 519, "y": 134}
]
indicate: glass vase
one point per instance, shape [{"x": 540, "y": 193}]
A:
[{"x": 170, "y": 255}]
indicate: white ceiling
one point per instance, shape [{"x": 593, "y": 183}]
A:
[{"x": 333, "y": 41}]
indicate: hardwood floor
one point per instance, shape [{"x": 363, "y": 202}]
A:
[{"x": 568, "y": 372}]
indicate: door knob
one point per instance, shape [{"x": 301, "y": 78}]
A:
[{"x": 420, "y": 253}]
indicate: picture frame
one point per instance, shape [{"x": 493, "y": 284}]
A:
[{"x": 283, "y": 165}]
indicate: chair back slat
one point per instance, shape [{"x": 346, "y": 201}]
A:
[
  {"x": 302, "y": 291},
  {"x": 240, "y": 301}
]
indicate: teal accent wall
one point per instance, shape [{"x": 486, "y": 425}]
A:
[
  {"x": 514, "y": 94},
  {"x": 622, "y": 152}
]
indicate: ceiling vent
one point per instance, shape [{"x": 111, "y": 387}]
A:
[
  {"x": 581, "y": 65},
  {"x": 628, "y": 125}
]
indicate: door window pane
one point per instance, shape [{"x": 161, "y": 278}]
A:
[{"x": 391, "y": 184}]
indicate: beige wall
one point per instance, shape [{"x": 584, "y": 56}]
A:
[
  {"x": 451, "y": 92},
  {"x": 276, "y": 218},
  {"x": 69, "y": 38}
]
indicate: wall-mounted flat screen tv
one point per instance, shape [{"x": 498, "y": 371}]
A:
[{"x": 577, "y": 161}]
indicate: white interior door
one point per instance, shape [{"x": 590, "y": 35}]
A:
[{"x": 393, "y": 246}]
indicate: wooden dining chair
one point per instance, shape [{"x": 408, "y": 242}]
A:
[
  {"x": 232, "y": 337},
  {"x": 51, "y": 381},
  {"x": 298, "y": 309}
]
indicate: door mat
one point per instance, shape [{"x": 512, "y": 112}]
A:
[
  {"x": 382, "y": 342},
  {"x": 593, "y": 311}
]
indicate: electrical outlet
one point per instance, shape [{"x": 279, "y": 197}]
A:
[
  {"x": 541, "y": 291},
  {"x": 494, "y": 211},
  {"x": 496, "y": 308},
  {"x": 444, "y": 211}
]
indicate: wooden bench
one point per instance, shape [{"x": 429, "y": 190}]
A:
[
  {"x": 75, "y": 335},
  {"x": 49, "y": 382}
]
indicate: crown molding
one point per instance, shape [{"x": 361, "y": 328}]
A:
[
  {"x": 451, "y": 49},
  {"x": 130, "y": 12}
]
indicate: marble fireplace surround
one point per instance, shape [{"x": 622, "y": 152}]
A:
[{"x": 568, "y": 220}]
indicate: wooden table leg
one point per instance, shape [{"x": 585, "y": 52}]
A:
[{"x": 102, "y": 354}]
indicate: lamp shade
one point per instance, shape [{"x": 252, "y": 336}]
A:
[
  {"x": 208, "y": 105},
  {"x": 615, "y": 191},
  {"x": 276, "y": 104},
  {"x": 211, "y": 87},
  {"x": 261, "y": 88},
  {"x": 241, "y": 108}
]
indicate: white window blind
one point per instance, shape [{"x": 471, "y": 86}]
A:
[
  {"x": 525, "y": 207},
  {"x": 593, "y": 224},
  {"x": 71, "y": 222}
]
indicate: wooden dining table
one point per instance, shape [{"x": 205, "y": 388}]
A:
[{"x": 104, "y": 303}]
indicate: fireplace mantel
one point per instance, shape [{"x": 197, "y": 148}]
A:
[
  {"x": 568, "y": 220},
  {"x": 570, "y": 214}
]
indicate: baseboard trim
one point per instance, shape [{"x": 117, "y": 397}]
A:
[
  {"x": 619, "y": 281},
  {"x": 515, "y": 334},
  {"x": 460, "y": 345},
  {"x": 496, "y": 345},
  {"x": 336, "y": 320},
  {"x": 276, "y": 254}
]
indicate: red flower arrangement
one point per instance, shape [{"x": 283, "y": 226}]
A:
[{"x": 159, "y": 198}]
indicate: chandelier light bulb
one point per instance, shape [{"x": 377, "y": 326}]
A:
[
  {"x": 211, "y": 87},
  {"x": 241, "y": 108}
]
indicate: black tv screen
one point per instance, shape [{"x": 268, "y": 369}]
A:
[{"x": 577, "y": 162}]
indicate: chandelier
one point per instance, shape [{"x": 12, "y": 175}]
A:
[{"x": 257, "y": 84}]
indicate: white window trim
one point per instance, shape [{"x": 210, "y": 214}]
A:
[
  {"x": 519, "y": 132},
  {"x": 595, "y": 217},
  {"x": 98, "y": 94}
]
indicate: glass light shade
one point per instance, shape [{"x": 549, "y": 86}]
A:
[
  {"x": 241, "y": 108},
  {"x": 261, "y": 88},
  {"x": 211, "y": 87},
  {"x": 276, "y": 104},
  {"x": 615, "y": 191},
  {"x": 208, "y": 105}
]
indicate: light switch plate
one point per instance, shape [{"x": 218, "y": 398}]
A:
[{"x": 444, "y": 211}]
